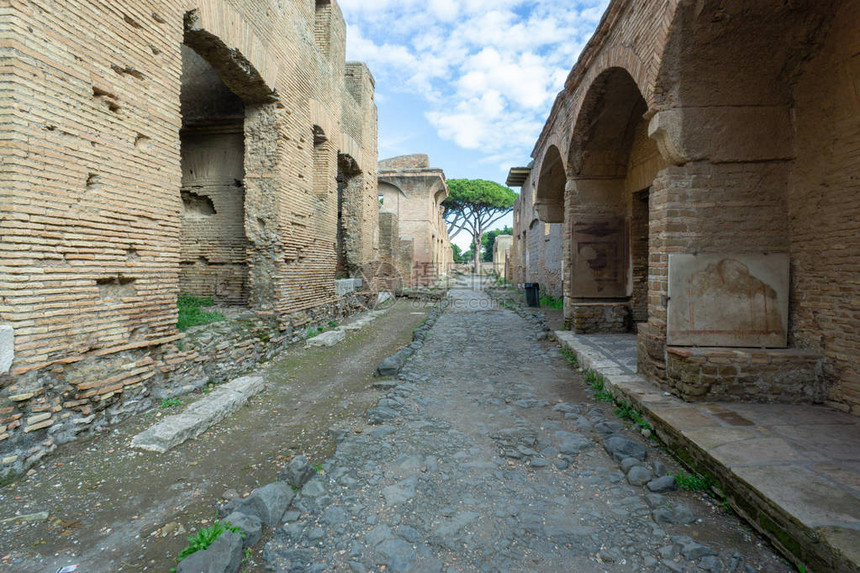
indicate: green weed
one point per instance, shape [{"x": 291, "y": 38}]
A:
[
  {"x": 550, "y": 301},
  {"x": 604, "y": 396},
  {"x": 312, "y": 332},
  {"x": 167, "y": 403},
  {"x": 628, "y": 412},
  {"x": 570, "y": 357},
  {"x": 206, "y": 537},
  {"x": 191, "y": 312},
  {"x": 692, "y": 482}
]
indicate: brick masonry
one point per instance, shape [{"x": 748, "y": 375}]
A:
[
  {"x": 103, "y": 224},
  {"x": 414, "y": 192},
  {"x": 743, "y": 131},
  {"x": 537, "y": 247}
]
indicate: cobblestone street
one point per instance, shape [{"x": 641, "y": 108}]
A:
[{"x": 491, "y": 455}]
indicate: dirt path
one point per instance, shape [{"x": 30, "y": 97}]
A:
[{"x": 114, "y": 509}]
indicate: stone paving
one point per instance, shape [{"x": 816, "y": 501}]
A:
[
  {"x": 792, "y": 469},
  {"x": 489, "y": 455}
]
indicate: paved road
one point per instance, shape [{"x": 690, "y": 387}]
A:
[{"x": 489, "y": 456}]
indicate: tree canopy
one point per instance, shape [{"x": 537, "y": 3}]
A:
[
  {"x": 474, "y": 205},
  {"x": 489, "y": 240}
]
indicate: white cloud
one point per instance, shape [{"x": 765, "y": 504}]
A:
[{"x": 488, "y": 70}]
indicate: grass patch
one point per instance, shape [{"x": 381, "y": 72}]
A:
[
  {"x": 570, "y": 357},
  {"x": 167, "y": 403},
  {"x": 626, "y": 411},
  {"x": 191, "y": 312},
  {"x": 692, "y": 482},
  {"x": 312, "y": 332},
  {"x": 206, "y": 537},
  {"x": 550, "y": 301}
]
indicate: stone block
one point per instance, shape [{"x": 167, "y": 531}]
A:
[
  {"x": 734, "y": 300},
  {"x": 7, "y": 348},
  {"x": 329, "y": 338}
]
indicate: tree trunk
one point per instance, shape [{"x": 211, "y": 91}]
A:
[{"x": 478, "y": 237}]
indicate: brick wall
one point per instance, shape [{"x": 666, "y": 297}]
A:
[
  {"x": 544, "y": 242},
  {"x": 92, "y": 213},
  {"x": 824, "y": 200}
]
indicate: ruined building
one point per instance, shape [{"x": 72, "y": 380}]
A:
[
  {"x": 413, "y": 192},
  {"x": 151, "y": 148},
  {"x": 537, "y": 247},
  {"x": 703, "y": 161},
  {"x": 501, "y": 255}
]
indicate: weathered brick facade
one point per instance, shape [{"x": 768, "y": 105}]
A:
[
  {"x": 154, "y": 147},
  {"x": 414, "y": 192},
  {"x": 537, "y": 247},
  {"x": 725, "y": 130},
  {"x": 501, "y": 255}
]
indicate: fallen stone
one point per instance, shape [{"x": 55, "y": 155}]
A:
[
  {"x": 326, "y": 339},
  {"x": 675, "y": 514},
  {"x": 223, "y": 556},
  {"x": 663, "y": 484},
  {"x": 176, "y": 429},
  {"x": 27, "y": 518},
  {"x": 384, "y": 385},
  {"x": 391, "y": 366},
  {"x": 250, "y": 525},
  {"x": 620, "y": 447},
  {"x": 639, "y": 476},
  {"x": 269, "y": 502},
  {"x": 571, "y": 443},
  {"x": 692, "y": 551},
  {"x": 566, "y": 408},
  {"x": 400, "y": 492},
  {"x": 606, "y": 427},
  {"x": 380, "y": 415},
  {"x": 628, "y": 463},
  {"x": 297, "y": 472}
]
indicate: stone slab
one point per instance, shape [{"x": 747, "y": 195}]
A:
[
  {"x": 759, "y": 451},
  {"x": 179, "y": 428},
  {"x": 326, "y": 339},
  {"x": 808, "y": 497},
  {"x": 733, "y": 300},
  {"x": 7, "y": 348},
  {"x": 343, "y": 287}
]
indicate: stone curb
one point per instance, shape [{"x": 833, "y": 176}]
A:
[
  {"x": 179, "y": 428},
  {"x": 391, "y": 366}
]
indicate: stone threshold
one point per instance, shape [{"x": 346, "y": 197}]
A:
[{"x": 792, "y": 471}]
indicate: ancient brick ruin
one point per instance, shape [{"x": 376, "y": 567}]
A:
[
  {"x": 413, "y": 192},
  {"x": 537, "y": 247},
  {"x": 701, "y": 166},
  {"x": 152, "y": 148}
]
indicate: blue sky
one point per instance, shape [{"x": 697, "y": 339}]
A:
[{"x": 468, "y": 82}]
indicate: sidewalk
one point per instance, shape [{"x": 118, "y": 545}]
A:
[{"x": 792, "y": 471}]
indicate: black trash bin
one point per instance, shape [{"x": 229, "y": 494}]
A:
[{"x": 532, "y": 294}]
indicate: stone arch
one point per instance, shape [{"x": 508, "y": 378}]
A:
[
  {"x": 611, "y": 164},
  {"x": 223, "y": 37},
  {"x": 550, "y": 186},
  {"x": 725, "y": 83},
  {"x": 229, "y": 137}
]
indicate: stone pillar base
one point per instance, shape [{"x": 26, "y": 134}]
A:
[
  {"x": 599, "y": 318},
  {"x": 745, "y": 374}
]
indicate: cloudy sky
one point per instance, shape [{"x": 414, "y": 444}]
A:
[{"x": 468, "y": 82}]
